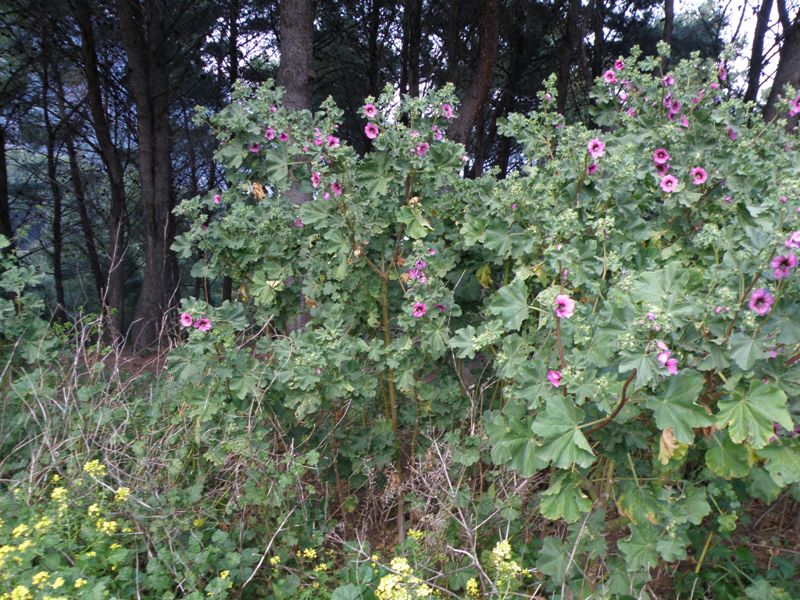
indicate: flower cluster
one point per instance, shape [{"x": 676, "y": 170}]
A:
[
  {"x": 402, "y": 583},
  {"x": 201, "y": 324},
  {"x": 665, "y": 358}
]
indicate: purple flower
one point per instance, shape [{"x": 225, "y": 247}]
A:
[
  {"x": 186, "y": 319},
  {"x": 793, "y": 241},
  {"x": 672, "y": 366},
  {"x": 203, "y": 324},
  {"x": 565, "y": 306},
  {"x": 336, "y": 188},
  {"x": 371, "y": 131},
  {"x": 413, "y": 273},
  {"x": 684, "y": 121},
  {"x": 723, "y": 72},
  {"x": 761, "y": 301},
  {"x": 316, "y": 179},
  {"x": 440, "y": 307},
  {"x": 254, "y": 148},
  {"x": 668, "y": 80},
  {"x": 422, "y": 149},
  {"x": 298, "y": 222},
  {"x": 794, "y": 106},
  {"x": 273, "y": 108},
  {"x": 269, "y": 133},
  {"x": 619, "y": 65},
  {"x": 284, "y": 137},
  {"x": 447, "y": 110},
  {"x": 662, "y": 169},
  {"x": 370, "y": 111},
  {"x": 732, "y": 134},
  {"x": 660, "y": 156},
  {"x": 699, "y": 175},
  {"x": 591, "y": 169},
  {"x": 554, "y": 377},
  {"x": 669, "y": 183},
  {"x": 419, "y": 310},
  {"x": 333, "y": 141},
  {"x": 610, "y": 76},
  {"x": 421, "y": 264},
  {"x": 783, "y": 264},
  {"x": 596, "y": 148}
]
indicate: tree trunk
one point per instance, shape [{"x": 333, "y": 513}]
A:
[
  {"x": 6, "y": 226},
  {"x": 669, "y": 22},
  {"x": 598, "y": 51},
  {"x": 788, "y": 64},
  {"x": 295, "y": 72},
  {"x": 757, "y": 52},
  {"x": 80, "y": 194},
  {"x": 55, "y": 189},
  {"x": 566, "y": 54},
  {"x": 113, "y": 295},
  {"x": 481, "y": 83},
  {"x": 143, "y": 33},
  {"x": 233, "y": 40},
  {"x": 412, "y": 40}
]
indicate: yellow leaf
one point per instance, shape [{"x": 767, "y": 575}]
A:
[{"x": 667, "y": 446}]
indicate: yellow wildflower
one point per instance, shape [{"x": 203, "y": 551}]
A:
[
  {"x": 502, "y": 550},
  {"x": 40, "y": 578},
  {"x": 321, "y": 568},
  {"x": 57, "y": 583},
  {"x": 91, "y": 554},
  {"x": 199, "y": 522},
  {"x": 80, "y": 582},
  {"x": 94, "y": 468},
  {"x": 473, "y": 589},
  {"x": 43, "y": 524},
  {"x": 309, "y": 553},
  {"x": 114, "y": 546},
  {"x": 94, "y": 510},
  {"x": 224, "y": 574},
  {"x": 20, "y": 593},
  {"x": 55, "y": 478},
  {"x": 416, "y": 534},
  {"x": 20, "y": 530},
  {"x": 275, "y": 560},
  {"x": 122, "y": 494},
  {"x": 24, "y": 546},
  {"x": 126, "y": 530}
]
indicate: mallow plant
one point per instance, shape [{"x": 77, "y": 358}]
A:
[{"x": 618, "y": 317}]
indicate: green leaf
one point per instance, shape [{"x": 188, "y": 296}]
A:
[
  {"x": 564, "y": 499},
  {"x": 783, "y": 461},
  {"x": 314, "y": 212},
  {"x": 374, "y": 175},
  {"x": 276, "y": 165},
  {"x": 641, "y": 548},
  {"x": 463, "y": 341},
  {"x": 564, "y": 443},
  {"x": 645, "y": 366},
  {"x": 554, "y": 559},
  {"x": 726, "y": 459},
  {"x": 676, "y": 407},
  {"x": 749, "y": 415},
  {"x": 511, "y": 304},
  {"x": 745, "y": 350},
  {"x": 673, "y": 548},
  {"x": 347, "y": 592},
  {"x": 514, "y": 444}
]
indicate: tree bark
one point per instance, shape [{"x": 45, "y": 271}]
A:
[
  {"x": 6, "y": 226},
  {"x": 144, "y": 38},
  {"x": 757, "y": 52},
  {"x": 566, "y": 54},
  {"x": 669, "y": 21},
  {"x": 412, "y": 40},
  {"x": 481, "y": 83},
  {"x": 295, "y": 72},
  {"x": 233, "y": 40},
  {"x": 55, "y": 187},
  {"x": 788, "y": 64},
  {"x": 80, "y": 193},
  {"x": 113, "y": 294},
  {"x": 598, "y": 24}
]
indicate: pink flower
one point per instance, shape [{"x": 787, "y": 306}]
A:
[
  {"x": 422, "y": 149},
  {"x": 723, "y": 72},
  {"x": 316, "y": 179},
  {"x": 371, "y": 131},
  {"x": 431, "y": 251},
  {"x": 728, "y": 199},
  {"x": 254, "y": 148},
  {"x": 269, "y": 133},
  {"x": 413, "y": 273},
  {"x": 668, "y": 80},
  {"x": 591, "y": 169},
  {"x": 699, "y": 175},
  {"x": 761, "y": 301},
  {"x": 783, "y": 264},
  {"x": 370, "y": 111},
  {"x": 619, "y": 65},
  {"x": 414, "y": 133},
  {"x": 203, "y": 324},
  {"x": 794, "y": 107},
  {"x": 732, "y": 134},
  {"x": 660, "y": 156},
  {"x": 669, "y": 183},
  {"x": 217, "y": 198},
  {"x": 419, "y": 310},
  {"x": 713, "y": 85},
  {"x": 596, "y": 148},
  {"x": 440, "y": 307},
  {"x": 565, "y": 306},
  {"x": 298, "y": 222},
  {"x": 337, "y": 188},
  {"x": 663, "y": 356},
  {"x": 783, "y": 199},
  {"x": 684, "y": 121},
  {"x": 631, "y": 112},
  {"x": 284, "y": 137},
  {"x": 437, "y": 133},
  {"x": 333, "y": 141},
  {"x": 672, "y": 366},
  {"x": 610, "y": 76},
  {"x": 793, "y": 241},
  {"x": 326, "y": 196},
  {"x": 186, "y": 319},
  {"x": 662, "y": 169},
  {"x": 447, "y": 111},
  {"x": 554, "y": 377},
  {"x": 421, "y": 265}
]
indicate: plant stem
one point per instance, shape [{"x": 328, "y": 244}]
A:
[{"x": 598, "y": 425}]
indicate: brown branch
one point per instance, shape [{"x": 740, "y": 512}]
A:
[{"x": 622, "y": 401}]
